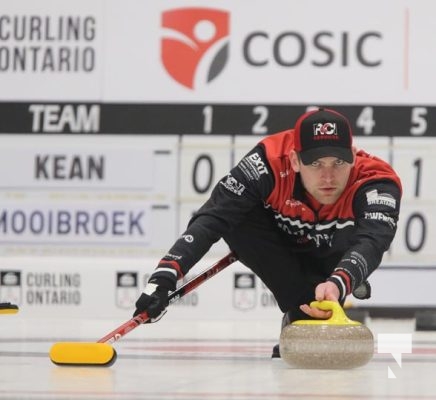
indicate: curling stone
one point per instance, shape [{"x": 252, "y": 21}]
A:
[{"x": 334, "y": 343}]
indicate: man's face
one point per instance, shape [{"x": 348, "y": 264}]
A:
[{"x": 325, "y": 179}]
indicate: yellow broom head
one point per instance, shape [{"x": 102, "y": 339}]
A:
[{"x": 83, "y": 354}]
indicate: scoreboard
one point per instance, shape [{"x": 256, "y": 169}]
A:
[{"x": 132, "y": 182}]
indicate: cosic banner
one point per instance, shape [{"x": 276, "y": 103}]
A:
[{"x": 285, "y": 51}]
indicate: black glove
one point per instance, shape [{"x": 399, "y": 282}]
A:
[
  {"x": 154, "y": 298},
  {"x": 363, "y": 291}
]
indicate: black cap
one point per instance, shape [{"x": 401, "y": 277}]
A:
[{"x": 323, "y": 133}]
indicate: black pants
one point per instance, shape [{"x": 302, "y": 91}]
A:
[{"x": 290, "y": 276}]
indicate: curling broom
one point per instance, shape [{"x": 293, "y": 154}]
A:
[
  {"x": 8, "y": 308},
  {"x": 101, "y": 353}
]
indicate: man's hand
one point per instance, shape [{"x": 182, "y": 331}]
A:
[
  {"x": 154, "y": 298},
  {"x": 324, "y": 291}
]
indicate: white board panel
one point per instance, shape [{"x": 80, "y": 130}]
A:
[{"x": 87, "y": 194}]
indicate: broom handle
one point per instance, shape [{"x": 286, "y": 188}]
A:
[{"x": 143, "y": 317}]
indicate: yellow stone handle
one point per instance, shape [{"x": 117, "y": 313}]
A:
[{"x": 338, "y": 316}]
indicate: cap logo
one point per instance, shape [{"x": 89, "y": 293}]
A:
[{"x": 328, "y": 130}]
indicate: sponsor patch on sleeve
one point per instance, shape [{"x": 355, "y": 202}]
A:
[
  {"x": 232, "y": 185},
  {"x": 379, "y": 216},
  {"x": 253, "y": 167},
  {"x": 385, "y": 199}
]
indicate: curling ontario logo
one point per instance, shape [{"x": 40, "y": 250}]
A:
[{"x": 195, "y": 45}]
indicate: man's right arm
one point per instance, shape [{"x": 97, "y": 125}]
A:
[
  {"x": 244, "y": 187},
  {"x": 233, "y": 197}
]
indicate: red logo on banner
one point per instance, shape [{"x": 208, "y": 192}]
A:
[{"x": 195, "y": 44}]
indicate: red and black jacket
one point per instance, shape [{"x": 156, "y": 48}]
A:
[{"x": 360, "y": 226}]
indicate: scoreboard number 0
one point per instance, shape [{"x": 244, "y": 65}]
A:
[
  {"x": 415, "y": 232},
  {"x": 205, "y": 174}
]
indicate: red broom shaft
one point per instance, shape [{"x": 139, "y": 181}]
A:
[{"x": 188, "y": 287}]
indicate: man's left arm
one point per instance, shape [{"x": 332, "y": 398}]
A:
[{"x": 376, "y": 207}]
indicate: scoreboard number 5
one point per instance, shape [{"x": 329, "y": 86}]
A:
[{"x": 419, "y": 121}]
